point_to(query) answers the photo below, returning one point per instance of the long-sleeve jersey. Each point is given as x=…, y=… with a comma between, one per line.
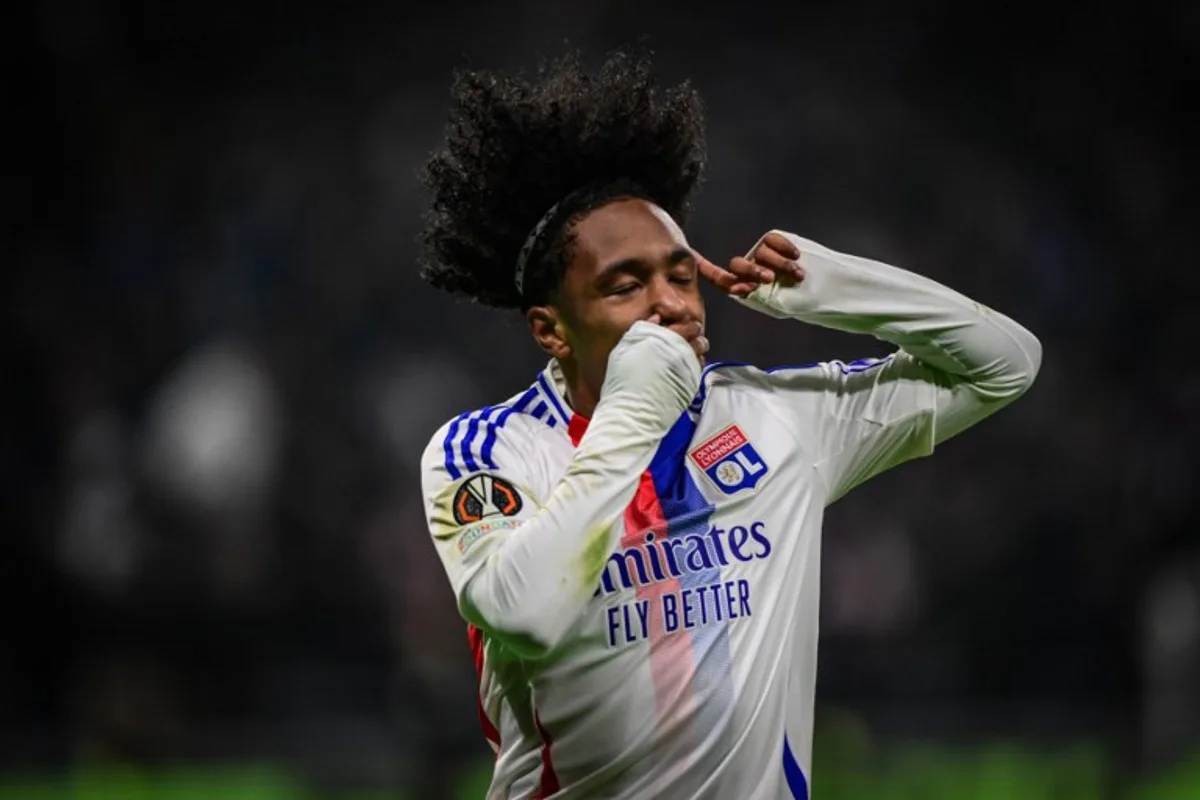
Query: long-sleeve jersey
x=643, y=611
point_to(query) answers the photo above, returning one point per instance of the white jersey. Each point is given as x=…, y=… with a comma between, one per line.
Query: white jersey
x=688, y=668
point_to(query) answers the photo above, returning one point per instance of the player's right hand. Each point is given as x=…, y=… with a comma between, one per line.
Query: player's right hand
x=655, y=366
x=692, y=332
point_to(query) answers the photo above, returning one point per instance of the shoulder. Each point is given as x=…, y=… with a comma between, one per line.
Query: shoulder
x=803, y=386
x=722, y=376
x=816, y=376
x=496, y=437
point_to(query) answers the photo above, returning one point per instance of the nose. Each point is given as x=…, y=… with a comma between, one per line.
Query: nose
x=668, y=302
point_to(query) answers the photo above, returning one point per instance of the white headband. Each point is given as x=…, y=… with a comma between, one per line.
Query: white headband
x=530, y=241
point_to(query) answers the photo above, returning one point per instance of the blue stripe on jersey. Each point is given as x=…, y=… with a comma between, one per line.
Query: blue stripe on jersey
x=524, y=400
x=796, y=781
x=483, y=418
x=864, y=364
x=698, y=400
x=546, y=390
x=468, y=459
x=539, y=410
x=782, y=368
x=687, y=513
x=448, y=445
x=859, y=365
x=489, y=439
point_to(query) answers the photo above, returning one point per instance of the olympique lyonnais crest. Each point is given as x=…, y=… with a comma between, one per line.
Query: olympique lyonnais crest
x=730, y=461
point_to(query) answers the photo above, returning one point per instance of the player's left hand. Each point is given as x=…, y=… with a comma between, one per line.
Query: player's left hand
x=774, y=259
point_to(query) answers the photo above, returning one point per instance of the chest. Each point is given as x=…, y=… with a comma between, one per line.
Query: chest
x=729, y=458
x=706, y=542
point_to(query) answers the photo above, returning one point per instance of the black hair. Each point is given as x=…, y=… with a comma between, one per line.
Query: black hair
x=515, y=148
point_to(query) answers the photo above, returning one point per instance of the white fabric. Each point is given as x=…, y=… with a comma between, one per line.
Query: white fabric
x=676, y=664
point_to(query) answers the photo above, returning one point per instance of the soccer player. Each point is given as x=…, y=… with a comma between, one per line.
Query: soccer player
x=635, y=539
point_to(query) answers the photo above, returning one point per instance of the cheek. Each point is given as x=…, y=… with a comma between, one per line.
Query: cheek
x=603, y=333
x=610, y=333
x=599, y=325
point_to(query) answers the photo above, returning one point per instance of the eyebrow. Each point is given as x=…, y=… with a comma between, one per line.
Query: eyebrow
x=679, y=254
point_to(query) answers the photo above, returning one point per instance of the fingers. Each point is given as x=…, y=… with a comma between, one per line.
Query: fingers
x=727, y=281
x=775, y=258
x=688, y=330
x=750, y=271
x=743, y=288
x=779, y=261
x=781, y=244
x=692, y=331
x=766, y=266
x=721, y=278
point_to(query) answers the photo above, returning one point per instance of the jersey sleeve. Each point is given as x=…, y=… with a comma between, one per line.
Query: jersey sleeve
x=957, y=362
x=524, y=558
x=863, y=417
x=477, y=487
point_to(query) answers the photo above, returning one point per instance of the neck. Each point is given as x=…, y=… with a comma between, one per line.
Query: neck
x=581, y=394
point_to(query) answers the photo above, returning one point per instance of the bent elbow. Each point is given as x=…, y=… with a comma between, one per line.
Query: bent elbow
x=1013, y=372
x=1026, y=369
x=528, y=638
x=531, y=630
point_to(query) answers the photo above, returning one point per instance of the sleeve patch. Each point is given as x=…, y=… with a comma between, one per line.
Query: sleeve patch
x=473, y=534
x=482, y=496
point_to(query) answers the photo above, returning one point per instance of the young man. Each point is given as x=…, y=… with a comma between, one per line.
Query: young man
x=635, y=539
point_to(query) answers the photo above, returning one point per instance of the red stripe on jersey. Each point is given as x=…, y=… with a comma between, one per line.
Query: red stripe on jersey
x=576, y=428
x=644, y=514
x=475, y=636
x=549, y=784
x=672, y=663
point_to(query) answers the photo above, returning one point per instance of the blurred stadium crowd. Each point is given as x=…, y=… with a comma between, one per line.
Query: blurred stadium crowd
x=223, y=367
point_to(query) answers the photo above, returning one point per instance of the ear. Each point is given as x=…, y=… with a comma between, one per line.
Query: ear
x=549, y=331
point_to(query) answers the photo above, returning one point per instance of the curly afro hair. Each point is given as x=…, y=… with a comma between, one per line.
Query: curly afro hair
x=515, y=148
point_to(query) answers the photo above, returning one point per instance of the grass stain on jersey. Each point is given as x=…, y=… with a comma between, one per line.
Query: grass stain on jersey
x=595, y=555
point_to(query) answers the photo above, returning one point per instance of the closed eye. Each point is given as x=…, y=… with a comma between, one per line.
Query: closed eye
x=684, y=272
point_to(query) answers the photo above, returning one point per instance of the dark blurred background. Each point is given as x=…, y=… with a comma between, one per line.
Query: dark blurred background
x=223, y=365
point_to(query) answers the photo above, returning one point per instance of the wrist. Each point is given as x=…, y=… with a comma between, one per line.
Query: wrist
x=628, y=414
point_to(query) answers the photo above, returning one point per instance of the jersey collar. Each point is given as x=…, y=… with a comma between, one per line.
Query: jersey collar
x=552, y=386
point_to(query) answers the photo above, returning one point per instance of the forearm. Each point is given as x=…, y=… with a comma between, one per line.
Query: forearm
x=940, y=327
x=537, y=580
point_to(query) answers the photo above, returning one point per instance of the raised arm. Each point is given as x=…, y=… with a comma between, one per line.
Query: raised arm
x=523, y=568
x=958, y=361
